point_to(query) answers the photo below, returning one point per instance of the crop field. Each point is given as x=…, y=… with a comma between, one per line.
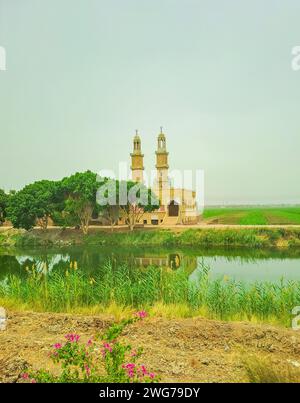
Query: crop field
x=253, y=215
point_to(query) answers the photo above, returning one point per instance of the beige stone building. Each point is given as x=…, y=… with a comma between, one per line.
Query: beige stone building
x=177, y=206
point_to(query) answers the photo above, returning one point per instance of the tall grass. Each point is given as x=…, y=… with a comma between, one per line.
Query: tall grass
x=152, y=288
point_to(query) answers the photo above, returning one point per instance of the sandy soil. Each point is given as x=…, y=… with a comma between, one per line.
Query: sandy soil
x=186, y=350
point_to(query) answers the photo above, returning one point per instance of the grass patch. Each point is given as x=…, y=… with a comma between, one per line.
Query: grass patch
x=246, y=237
x=256, y=217
x=196, y=237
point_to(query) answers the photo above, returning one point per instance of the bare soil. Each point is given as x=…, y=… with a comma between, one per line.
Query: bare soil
x=180, y=350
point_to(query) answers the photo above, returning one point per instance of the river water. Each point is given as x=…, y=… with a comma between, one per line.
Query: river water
x=239, y=264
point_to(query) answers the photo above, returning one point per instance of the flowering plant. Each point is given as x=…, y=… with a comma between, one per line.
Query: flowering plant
x=102, y=359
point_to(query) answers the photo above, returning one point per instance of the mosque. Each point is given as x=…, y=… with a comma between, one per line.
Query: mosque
x=177, y=206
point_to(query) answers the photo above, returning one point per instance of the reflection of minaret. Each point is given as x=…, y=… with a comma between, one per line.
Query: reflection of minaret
x=162, y=165
x=137, y=166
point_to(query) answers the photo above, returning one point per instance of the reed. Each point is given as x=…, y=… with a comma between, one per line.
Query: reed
x=158, y=290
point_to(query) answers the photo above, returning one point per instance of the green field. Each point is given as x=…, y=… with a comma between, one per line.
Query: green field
x=253, y=215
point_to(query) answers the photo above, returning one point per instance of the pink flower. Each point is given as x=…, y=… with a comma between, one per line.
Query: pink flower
x=72, y=337
x=57, y=346
x=25, y=375
x=90, y=342
x=33, y=381
x=152, y=375
x=87, y=370
x=144, y=370
x=130, y=366
x=141, y=314
x=108, y=347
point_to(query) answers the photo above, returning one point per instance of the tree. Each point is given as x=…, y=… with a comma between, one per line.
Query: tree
x=4, y=199
x=111, y=215
x=107, y=200
x=130, y=199
x=139, y=200
x=32, y=205
x=80, y=194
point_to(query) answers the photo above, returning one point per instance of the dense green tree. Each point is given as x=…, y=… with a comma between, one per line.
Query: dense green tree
x=4, y=199
x=108, y=200
x=75, y=200
x=34, y=204
x=132, y=200
x=140, y=199
x=80, y=198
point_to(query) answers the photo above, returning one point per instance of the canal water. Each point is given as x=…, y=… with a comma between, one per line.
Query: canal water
x=239, y=264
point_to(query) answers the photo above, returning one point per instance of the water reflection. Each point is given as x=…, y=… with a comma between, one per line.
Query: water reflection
x=245, y=265
x=172, y=261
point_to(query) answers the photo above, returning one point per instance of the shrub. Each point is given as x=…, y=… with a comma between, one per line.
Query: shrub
x=102, y=359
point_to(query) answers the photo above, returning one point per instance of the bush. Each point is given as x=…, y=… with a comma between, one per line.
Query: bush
x=102, y=359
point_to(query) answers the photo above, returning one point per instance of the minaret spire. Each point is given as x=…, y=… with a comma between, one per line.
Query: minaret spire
x=137, y=163
x=162, y=166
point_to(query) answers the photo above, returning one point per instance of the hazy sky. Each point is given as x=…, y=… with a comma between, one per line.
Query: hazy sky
x=82, y=75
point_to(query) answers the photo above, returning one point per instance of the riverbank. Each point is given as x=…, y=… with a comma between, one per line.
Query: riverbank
x=225, y=236
x=178, y=350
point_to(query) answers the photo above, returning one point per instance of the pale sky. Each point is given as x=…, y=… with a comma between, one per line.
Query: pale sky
x=82, y=75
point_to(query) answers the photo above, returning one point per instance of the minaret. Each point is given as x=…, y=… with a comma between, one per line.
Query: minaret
x=137, y=166
x=162, y=166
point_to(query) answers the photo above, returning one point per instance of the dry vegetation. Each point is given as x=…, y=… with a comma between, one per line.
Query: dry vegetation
x=179, y=350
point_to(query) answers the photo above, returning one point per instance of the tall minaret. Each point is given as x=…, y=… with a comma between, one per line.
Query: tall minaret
x=137, y=166
x=162, y=166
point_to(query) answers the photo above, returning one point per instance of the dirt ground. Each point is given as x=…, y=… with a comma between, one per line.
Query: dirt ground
x=179, y=350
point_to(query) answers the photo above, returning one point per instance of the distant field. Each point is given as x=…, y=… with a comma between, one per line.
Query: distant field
x=252, y=215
